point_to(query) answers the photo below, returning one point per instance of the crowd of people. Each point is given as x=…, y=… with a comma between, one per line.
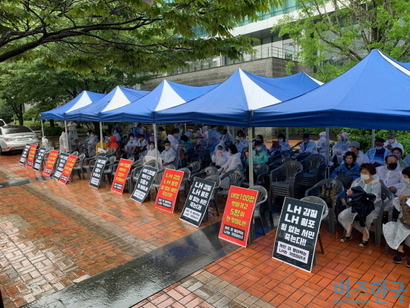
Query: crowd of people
x=361, y=173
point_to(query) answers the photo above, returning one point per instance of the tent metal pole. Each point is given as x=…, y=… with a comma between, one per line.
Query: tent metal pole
x=101, y=136
x=373, y=137
x=287, y=134
x=67, y=137
x=154, y=125
x=250, y=158
x=42, y=128
x=327, y=150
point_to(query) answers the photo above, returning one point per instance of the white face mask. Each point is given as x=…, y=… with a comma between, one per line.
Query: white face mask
x=390, y=141
x=364, y=177
x=167, y=147
x=407, y=182
x=151, y=147
x=258, y=148
x=280, y=140
x=131, y=138
x=378, y=148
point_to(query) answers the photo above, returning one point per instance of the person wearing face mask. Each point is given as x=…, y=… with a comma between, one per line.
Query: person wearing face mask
x=378, y=153
x=348, y=170
x=259, y=155
x=361, y=158
x=117, y=135
x=173, y=139
x=152, y=153
x=234, y=161
x=169, y=155
x=284, y=146
x=262, y=142
x=307, y=145
x=397, y=233
x=390, y=174
x=340, y=148
x=392, y=143
x=226, y=137
x=369, y=182
x=399, y=154
x=130, y=146
x=92, y=142
x=321, y=143
x=241, y=142
x=213, y=138
x=219, y=157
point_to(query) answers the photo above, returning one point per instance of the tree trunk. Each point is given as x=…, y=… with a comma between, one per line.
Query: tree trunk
x=52, y=124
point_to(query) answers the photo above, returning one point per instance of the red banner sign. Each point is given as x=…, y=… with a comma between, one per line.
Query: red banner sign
x=51, y=160
x=237, y=217
x=68, y=168
x=168, y=190
x=31, y=155
x=121, y=174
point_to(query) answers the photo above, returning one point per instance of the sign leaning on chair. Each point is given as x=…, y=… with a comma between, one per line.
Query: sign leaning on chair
x=168, y=190
x=297, y=233
x=98, y=171
x=144, y=182
x=24, y=154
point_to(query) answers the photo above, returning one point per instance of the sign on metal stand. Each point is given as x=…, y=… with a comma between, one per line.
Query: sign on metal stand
x=68, y=168
x=24, y=154
x=51, y=160
x=60, y=165
x=31, y=155
x=38, y=163
x=121, y=174
x=98, y=171
x=144, y=182
x=297, y=233
x=168, y=190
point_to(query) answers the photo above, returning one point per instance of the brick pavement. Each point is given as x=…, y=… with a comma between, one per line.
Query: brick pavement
x=55, y=235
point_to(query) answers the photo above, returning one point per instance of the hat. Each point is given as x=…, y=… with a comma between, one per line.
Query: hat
x=322, y=134
x=344, y=135
x=305, y=135
x=355, y=144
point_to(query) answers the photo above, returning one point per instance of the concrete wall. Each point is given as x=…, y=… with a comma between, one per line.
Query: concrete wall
x=269, y=67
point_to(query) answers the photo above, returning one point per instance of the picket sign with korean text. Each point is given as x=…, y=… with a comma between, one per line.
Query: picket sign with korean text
x=168, y=190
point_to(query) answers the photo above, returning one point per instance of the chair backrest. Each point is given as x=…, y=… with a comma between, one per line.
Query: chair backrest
x=187, y=173
x=75, y=153
x=214, y=178
x=170, y=166
x=236, y=177
x=386, y=195
x=211, y=170
x=111, y=160
x=194, y=166
x=263, y=193
x=317, y=200
x=81, y=157
x=260, y=168
x=326, y=187
x=110, y=151
x=313, y=161
x=291, y=169
x=151, y=163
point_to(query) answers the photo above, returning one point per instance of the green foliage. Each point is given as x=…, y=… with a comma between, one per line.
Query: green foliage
x=6, y=112
x=53, y=131
x=32, y=113
x=333, y=35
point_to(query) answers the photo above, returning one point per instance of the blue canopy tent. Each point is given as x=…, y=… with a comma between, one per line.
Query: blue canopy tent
x=85, y=98
x=233, y=101
x=375, y=93
x=167, y=94
x=118, y=97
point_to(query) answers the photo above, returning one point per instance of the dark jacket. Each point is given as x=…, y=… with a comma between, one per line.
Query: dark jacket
x=361, y=202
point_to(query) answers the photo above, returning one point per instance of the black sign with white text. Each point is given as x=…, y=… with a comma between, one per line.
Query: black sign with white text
x=38, y=163
x=144, y=182
x=297, y=233
x=24, y=154
x=98, y=171
x=197, y=201
x=60, y=165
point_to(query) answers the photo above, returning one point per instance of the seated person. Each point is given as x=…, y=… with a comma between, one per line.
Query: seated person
x=378, y=153
x=399, y=154
x=131, y=145
x=260, y=139
x=152, y=152
x=91, y=143
x=361, y=158
x=275, y=149
x=200, y=142
x=392, y=143
x=284, y=146
x=307, y=145
x=234, y=161
x=141, y=144
x=173, y=139
x=113, y=143
x=101, y=147
x=186, y=145
x=395, y=232
x=321, y=143
x=348, y=170
x=226, y=137
x=390, y=174
x=168, y=155
x=340, y=148
x=259, y=155
x=219, y=157
x=241, y=143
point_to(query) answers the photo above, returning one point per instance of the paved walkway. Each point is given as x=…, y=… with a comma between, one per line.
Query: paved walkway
x=55, y=238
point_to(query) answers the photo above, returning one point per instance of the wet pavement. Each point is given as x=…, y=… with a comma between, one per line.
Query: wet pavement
x=75, y=246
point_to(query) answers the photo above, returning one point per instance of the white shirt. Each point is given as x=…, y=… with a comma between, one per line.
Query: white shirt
x=220, y=157
x=321, y=145
x=142, y=143
x=168, y=156
x=395, y=144
x=234, y=163
x=391, y=178
x=309, y=147
x=361, y=158
x=174, y=142
x=341, y=146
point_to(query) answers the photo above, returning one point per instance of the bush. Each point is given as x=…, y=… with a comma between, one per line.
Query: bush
x=53, y=131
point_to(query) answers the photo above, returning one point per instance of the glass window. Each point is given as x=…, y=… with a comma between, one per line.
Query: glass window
x=16, y=129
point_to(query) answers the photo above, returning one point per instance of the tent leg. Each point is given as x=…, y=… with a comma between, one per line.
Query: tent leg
x=67, y=137
x=250, y=158
x=154, y=125
x=327, y=175
x=373, y=137
x=287, y=134
x=42, y=128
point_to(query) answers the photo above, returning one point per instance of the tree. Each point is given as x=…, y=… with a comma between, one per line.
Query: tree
x=121, y=33
x=334, y=35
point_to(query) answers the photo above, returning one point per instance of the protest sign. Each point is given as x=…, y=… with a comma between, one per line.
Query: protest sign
x=237, y=217
x=31, y=155
x=197, y=201
x=98, y=171
x=60, y=165
x=297, y=233
x=51, y=160
x=168, y=190
x=68, y=168
x=24, y=154
x=39, y=159
x=144, y=182
x=121, y=174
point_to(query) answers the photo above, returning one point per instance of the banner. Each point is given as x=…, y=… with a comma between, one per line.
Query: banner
x=297, y=233
x=39, y=159
x=24, y=154
x=121, y=174
x=68, y=168
x=144, y=182
x=168, y=190
x=237, y=217
x=51, y=160
x=98, y=171
x=31, y=155
x=60, y=165
x=197, y=201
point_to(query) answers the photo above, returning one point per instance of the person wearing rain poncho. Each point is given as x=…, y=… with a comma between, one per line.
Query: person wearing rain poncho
x=340, y=148
x=366, y=212
x=321, y=144
x=397, y=232
x=64, y=143
x=233, y=163
x=219, y=157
